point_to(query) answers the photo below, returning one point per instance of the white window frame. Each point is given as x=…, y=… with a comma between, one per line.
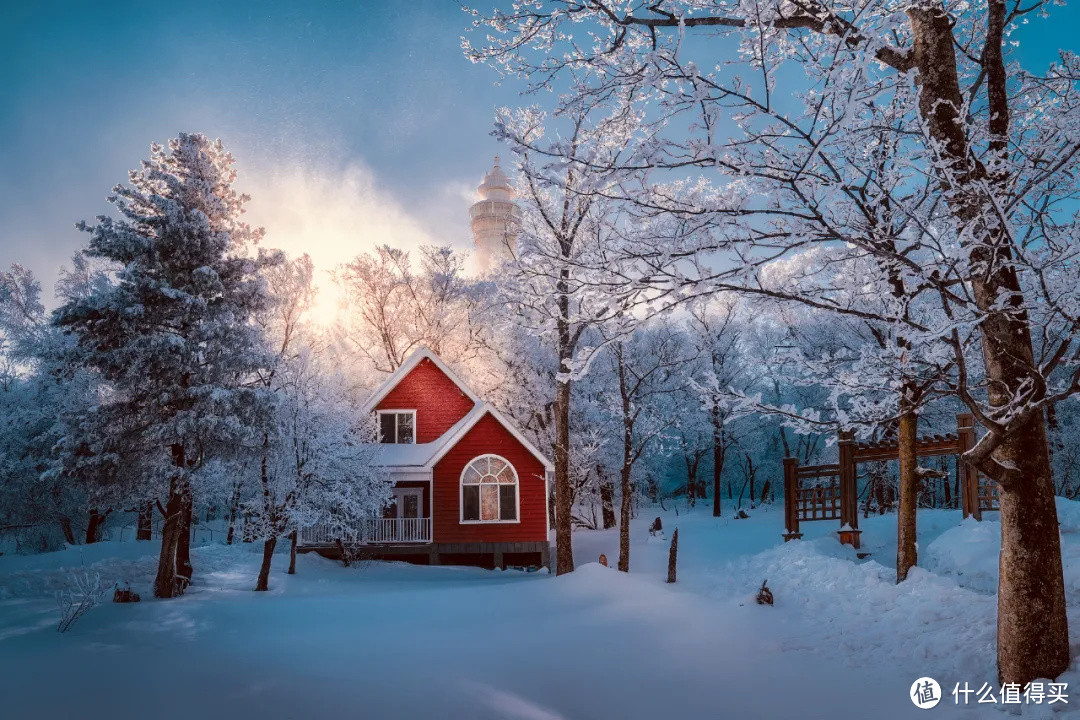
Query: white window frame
x=380, y=413
x=517, y=494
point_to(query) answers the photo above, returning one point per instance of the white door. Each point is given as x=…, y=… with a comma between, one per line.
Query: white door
x=408, y=509
x=408, y=503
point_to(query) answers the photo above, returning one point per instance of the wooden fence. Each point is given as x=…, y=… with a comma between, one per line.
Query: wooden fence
x=830, y=492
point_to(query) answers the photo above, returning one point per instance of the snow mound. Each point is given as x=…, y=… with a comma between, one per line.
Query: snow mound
x=857, y=610
x=969, y=552
x=41, y=576
x=1068, y=512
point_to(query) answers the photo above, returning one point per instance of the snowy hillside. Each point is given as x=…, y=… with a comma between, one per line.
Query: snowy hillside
x=392, y=640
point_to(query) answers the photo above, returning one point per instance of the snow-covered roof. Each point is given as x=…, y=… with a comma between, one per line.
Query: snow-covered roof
x=426, y=455
x=421, y=353
x=421, y=454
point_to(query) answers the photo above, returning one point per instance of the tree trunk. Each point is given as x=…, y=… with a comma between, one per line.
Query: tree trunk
x=292, y=553
x=94, y=525
x=1032, y=626
x=691, y=483
x=184, y=570
x=65, y=527
x=906, y=554
x=264, y=570
x=145, y=521
x=1033, y=637
x=946, y=490
x=607, y=504
x=672, y=557
x=234, y=506
x=717, y=458
x=624, y=472
x=624, y=518
x=165, y=585
x=564, y=501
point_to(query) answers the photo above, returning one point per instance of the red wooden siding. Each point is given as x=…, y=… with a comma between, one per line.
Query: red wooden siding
x=438, y=402
x=488, y=436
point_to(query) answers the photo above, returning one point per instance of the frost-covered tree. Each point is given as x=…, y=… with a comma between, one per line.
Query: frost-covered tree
x=37, y=392
x=716, y=330
x=171, y=335
x=563, y=283
x=317, y=466
x=987, y=247
x=646, y=373
x=314, y=460
x=396, y=302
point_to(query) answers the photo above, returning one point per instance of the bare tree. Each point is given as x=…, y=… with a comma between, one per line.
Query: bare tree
x=560, y=284
x=395, y=303
x=648, y=370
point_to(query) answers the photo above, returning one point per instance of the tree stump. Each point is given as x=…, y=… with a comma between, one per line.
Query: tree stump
x=124, y=594
x=292, y=553
x=764, y=596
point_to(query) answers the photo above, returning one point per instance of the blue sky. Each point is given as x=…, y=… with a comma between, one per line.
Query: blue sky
x=323, y=104
x=352, y=122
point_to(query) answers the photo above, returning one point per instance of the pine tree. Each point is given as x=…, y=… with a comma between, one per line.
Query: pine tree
x=171, y=335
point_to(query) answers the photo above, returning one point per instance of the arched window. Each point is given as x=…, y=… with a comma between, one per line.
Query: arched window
x=489, y=491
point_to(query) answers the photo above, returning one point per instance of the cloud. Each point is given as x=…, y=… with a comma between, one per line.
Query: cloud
x=331, y=214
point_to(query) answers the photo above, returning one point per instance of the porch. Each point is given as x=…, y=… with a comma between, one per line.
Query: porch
x=373, y=531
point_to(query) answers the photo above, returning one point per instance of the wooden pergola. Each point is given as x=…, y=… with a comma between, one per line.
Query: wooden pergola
x=829, y=492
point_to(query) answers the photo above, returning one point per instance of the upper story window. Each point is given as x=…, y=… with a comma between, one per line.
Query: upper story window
x=397, y=427
x=489, y=491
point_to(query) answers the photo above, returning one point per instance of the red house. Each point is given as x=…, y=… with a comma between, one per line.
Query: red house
x=469, y=488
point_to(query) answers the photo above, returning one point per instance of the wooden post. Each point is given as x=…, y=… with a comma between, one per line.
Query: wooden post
x=969, y=476
x=672, y=556
x=849, y=495
x=791, y=499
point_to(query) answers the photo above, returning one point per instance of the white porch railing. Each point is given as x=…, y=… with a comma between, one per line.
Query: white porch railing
x=372, y=531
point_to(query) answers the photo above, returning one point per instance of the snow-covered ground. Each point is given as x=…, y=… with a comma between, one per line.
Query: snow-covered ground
x=392, y=640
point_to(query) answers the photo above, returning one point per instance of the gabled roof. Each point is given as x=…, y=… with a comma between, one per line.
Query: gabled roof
x=420, y=354
x=426, y=455
x=454, y=434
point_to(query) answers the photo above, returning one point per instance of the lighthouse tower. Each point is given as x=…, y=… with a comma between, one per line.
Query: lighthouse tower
x=494, y=219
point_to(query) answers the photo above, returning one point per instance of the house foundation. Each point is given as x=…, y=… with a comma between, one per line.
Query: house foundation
x=480, y=554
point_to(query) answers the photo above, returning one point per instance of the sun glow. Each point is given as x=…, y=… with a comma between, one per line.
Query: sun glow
x=332, y=216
